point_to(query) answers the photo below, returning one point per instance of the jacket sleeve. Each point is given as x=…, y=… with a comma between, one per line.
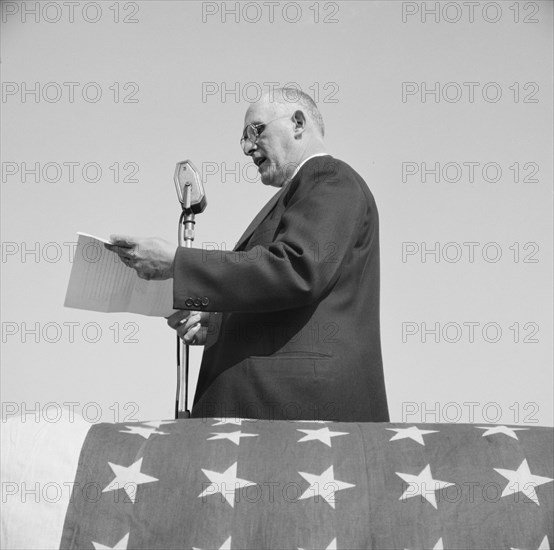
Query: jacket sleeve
x=316, y=235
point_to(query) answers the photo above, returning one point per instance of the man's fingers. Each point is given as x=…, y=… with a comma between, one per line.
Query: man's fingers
x=122, y=251
x=123, y=241
x=188, y=334
x=125, y=253
x=178, y=318
x=204, y=317
x=175, y=318
x=190, y=321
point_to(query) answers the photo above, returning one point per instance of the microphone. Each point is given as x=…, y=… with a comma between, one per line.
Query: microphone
x=187, y=178
x=192, y=197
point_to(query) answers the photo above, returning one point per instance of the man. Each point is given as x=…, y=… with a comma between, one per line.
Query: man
x=297, y=334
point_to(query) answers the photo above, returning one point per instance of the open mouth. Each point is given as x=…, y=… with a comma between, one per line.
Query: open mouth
x=259, y=161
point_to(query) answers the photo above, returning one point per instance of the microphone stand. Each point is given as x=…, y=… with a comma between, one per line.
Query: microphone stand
x=186, y=236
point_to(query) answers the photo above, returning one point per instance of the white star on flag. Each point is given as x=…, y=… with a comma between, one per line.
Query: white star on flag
x=225, y=546
x=145, y=432
x=423, y=484
x=543, y=546
x=121, y=545
x=413, y=432
x=231, y=436
x=229, y=420
x=323, y=434
x=225, y=483
x=128, y=478
x=491, y=430
x=328, y=484
x=158, y=423
x=332, y=545
x=522, y=481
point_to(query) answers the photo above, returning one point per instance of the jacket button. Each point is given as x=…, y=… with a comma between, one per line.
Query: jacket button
x=197, y=302
x=189, y=302
x=205, y=301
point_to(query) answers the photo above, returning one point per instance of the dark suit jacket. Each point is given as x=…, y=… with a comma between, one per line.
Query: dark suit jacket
x=297, y=336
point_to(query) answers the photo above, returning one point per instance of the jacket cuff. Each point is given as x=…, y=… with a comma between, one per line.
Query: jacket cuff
x=184, y=295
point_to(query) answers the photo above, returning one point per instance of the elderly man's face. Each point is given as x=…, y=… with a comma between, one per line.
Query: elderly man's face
x=273, y=151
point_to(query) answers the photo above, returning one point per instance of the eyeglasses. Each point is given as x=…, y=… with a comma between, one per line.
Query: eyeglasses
x=253, y=131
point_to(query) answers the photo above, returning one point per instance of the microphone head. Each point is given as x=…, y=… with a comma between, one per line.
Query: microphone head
x=186, y=173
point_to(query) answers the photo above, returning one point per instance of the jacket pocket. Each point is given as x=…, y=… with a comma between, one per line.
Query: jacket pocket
x=293, y=355
x=283, y=368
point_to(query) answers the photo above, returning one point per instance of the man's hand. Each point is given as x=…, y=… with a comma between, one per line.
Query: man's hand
x=191, y=326
x=150, y=258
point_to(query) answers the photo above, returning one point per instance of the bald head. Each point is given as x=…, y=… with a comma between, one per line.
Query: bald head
x=290, y=130
x=295, y=99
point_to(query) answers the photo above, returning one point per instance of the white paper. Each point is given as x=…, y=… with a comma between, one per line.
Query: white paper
x=100, y=281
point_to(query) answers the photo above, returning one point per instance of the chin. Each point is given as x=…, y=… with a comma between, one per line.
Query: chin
x=272, y=178
x=267, y=177
x=268, y=182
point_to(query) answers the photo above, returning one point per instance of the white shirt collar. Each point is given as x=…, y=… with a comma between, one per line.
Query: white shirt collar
x=302, y=164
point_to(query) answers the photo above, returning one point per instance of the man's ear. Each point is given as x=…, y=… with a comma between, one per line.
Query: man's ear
x=299, y=123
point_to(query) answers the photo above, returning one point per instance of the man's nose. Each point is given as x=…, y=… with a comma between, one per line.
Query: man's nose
x=248, y=147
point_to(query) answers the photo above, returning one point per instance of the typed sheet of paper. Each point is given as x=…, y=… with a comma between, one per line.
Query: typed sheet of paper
x=100, y=281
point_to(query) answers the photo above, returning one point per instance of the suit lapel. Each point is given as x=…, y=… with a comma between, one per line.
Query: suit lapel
x=262, y=214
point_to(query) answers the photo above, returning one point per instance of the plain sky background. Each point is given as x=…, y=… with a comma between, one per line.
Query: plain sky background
x=175, y=84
